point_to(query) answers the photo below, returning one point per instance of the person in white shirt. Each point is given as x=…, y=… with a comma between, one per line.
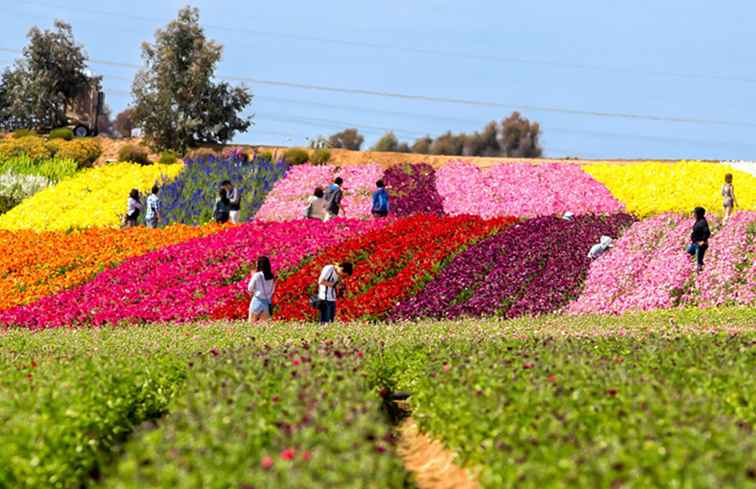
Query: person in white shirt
x=133, y=208
x=330, y=277
x=262, y=286
x=600, y=248
x=316, y=206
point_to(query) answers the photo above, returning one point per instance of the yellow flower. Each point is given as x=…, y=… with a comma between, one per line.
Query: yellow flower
x=95, y=197
x=653, y=188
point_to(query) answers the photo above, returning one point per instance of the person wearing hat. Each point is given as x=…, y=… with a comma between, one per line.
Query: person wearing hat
x=602, y=247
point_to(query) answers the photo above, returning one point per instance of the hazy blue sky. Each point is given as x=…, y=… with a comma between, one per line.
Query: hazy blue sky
x=689, y=59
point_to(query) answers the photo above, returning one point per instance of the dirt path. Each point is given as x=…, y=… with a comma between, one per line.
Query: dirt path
x=432, y=464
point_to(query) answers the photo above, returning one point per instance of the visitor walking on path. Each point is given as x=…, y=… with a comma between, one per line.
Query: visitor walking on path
x=728, y=198
x=699, y=237
x=316, y=205
x=332, y=196
x=222, y=210
x=152, y=216
x=133, y=208
x=234, y=197
x=380, y=200
x=262, y=286
x=328, y=284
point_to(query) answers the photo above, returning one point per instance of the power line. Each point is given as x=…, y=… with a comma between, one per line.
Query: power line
x=424, y=51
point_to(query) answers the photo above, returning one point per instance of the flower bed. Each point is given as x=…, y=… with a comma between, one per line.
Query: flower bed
x=95, y=197
x=190, y=198
x=390, y=264
x=655, y=188
x=531, y=268
x=412, y=189
x=185, y=281
x=15, y=188
x=34, y=265
x=288, y=198
x=521, y=189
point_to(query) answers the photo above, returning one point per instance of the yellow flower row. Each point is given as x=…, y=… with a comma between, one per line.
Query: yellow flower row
x=95, y=197
x=653, y=188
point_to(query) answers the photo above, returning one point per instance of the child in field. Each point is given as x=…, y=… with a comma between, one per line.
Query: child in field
x=380, y=200
x=262, y=286
x=728, y=198
x=133, y=208
x=699, y=237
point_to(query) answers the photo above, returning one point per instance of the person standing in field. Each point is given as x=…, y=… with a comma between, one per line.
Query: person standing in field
x=133, y=208
x=262, y=286
x=728, y=198
x=221, y=211
x=316, y=205
x=699, y=237
x=380, y=200
x=332, y=196
x=328, y=282
x=234, y=198
x=152, y=217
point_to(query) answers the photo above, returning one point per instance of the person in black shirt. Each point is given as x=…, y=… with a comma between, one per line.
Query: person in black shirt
x=699, y=238
x=222, y=210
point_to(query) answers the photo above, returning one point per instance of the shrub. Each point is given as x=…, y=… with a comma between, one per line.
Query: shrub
x=201, y=154
x=133, y=153
x=61, y=133
x=320, y=156
x=84, y=151
x=168, y=157
x=296, y=156
x=31, y=146
x=54, y=169
x=265, y=156
x=22, y=133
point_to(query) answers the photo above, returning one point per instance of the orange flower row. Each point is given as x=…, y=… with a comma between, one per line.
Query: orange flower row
x=36, y=264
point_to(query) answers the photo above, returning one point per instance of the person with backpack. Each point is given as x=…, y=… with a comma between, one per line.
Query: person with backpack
x=380, y=200
x=222, y=210
x=699, y=237
x=152, y=217
x=234, y=198
x=261, y=286
x=332, y=197
x=133, y=208
x=328, y=283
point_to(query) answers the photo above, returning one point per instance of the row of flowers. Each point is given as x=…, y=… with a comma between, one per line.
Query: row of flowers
x=534, y=267
x=94, y=197
x=185, y=281
x=649, y=269
x=37, y=264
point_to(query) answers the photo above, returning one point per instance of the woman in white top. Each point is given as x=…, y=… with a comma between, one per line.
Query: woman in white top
x=316, y=205
x=261, y=287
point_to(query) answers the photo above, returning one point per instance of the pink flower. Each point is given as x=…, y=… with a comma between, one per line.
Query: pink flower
x=266, y=463
x=288, y=454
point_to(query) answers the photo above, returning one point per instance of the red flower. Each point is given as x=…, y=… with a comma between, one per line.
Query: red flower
x=296, y=362
x=266, y=463
x=528, y=366
x=306, y=455
x=288, y=454
x=612, y=392
x=552, y=378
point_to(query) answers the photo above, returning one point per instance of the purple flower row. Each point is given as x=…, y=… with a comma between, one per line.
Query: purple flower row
x=412, y=188
x=534, y=267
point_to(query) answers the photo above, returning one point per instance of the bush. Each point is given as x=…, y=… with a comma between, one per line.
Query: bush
x=61, y=133
x=296, y=156
x=133, y=153
x=265, y=156
x=168, y=157
x=32, y=146
x=320, y=156
x=201, y=154
x=22, y=133
x=84, y=151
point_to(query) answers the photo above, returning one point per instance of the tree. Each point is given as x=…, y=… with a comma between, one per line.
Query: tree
x=388, y=143
x=347, y=139
x=422, y=145
x=519, y=137
x=51, y=72
x=178, y=104
x=124, y=123
x=448, y=144
x=104, y=122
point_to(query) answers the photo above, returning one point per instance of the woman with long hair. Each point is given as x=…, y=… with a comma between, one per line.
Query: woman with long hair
x=262, y=286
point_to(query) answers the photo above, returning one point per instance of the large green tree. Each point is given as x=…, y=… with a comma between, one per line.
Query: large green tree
x=178, y=104
x=51, y=72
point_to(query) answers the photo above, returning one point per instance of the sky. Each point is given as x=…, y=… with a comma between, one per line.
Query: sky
x=672, y=79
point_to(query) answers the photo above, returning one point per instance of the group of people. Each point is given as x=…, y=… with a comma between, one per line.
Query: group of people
x=325, y=204
x=228, y=204
x=330, y=286
x=134, y=208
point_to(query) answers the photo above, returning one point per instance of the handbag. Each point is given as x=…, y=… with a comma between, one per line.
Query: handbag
x=315, y=301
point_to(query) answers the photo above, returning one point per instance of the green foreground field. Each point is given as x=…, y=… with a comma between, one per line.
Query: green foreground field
x=655, y=400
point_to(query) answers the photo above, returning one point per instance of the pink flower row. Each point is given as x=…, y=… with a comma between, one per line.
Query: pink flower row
x=649, y=268
x=186, y=281
x=288, y=198
x=522, y=189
